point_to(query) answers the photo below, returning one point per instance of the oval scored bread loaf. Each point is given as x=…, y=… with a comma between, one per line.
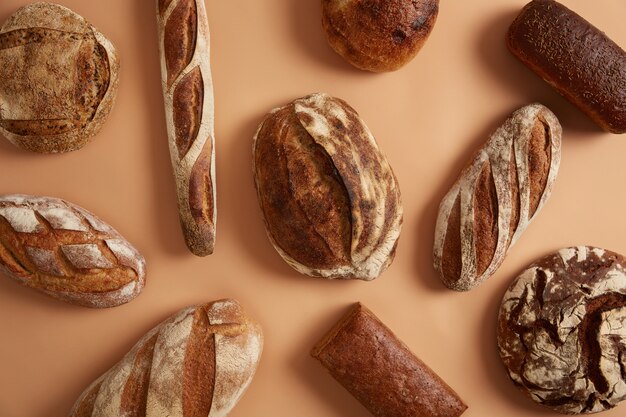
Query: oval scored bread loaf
x=66, y=252
x=496, y=196
x=580, y=61
x=58, y=79
x=199, y=363
x=189, y=108
x=329, y=198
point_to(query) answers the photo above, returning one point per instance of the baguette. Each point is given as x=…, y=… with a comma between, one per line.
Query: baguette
x=188, y=95
x=582, y=63
x=199, y=362
x=66, y=252
x=496, y=197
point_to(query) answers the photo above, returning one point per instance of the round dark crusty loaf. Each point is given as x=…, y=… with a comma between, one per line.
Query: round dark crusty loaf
x=330, y=200
x=562, y=330
x=58, y=79
x=378, y=35
x=582, y=63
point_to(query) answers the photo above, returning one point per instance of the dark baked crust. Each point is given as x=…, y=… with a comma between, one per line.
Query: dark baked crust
x=574, y=57
x=381, y=372
x=378, y=35
x=496, y=196
x=329, y=197
x=560, y=330
x=63, y=79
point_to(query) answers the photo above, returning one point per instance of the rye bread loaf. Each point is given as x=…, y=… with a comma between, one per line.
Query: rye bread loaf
x=364, y=356
x=64, y=251
x=582, y=63
x=58, y=79
x=562, y=330
x=378, y=35
x=329, y=198
x=198, y=362
x=189, y=107
x=496, y=196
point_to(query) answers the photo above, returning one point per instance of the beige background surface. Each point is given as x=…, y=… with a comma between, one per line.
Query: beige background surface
x=428, y=118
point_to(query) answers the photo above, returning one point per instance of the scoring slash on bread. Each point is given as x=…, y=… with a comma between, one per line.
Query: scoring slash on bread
x=64, y=251
x=189, y=107
x=58, y=79
x=496, y=196
x=329, y=198
x=561, y=330
x=364, y=356
x=582, y=63
x=199, y=363
x=378, y=35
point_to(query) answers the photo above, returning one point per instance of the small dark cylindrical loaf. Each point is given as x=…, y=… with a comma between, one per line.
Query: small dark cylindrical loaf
x=189, y=108
x=378, y=35
x=575, y=58
x=66, y=252
x=58, y=79
x=561, y=330
x=199, y=363
x=330, y=200
x=496, y=197
x=381, y=372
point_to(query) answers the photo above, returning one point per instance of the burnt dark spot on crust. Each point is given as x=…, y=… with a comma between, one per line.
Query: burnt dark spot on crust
x=399, y=36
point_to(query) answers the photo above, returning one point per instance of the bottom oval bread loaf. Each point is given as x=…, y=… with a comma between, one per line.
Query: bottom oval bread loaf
x=197, y=363
x=381, y=372
x=562, y=330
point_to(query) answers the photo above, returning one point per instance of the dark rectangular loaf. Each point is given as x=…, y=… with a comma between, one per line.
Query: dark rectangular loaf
x=381, y=372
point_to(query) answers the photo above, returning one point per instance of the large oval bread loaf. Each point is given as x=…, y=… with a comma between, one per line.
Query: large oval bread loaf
x=330, y=200
x=66, y=252
x=58, y=79
x=189, y=107
x=496, y=196
x=198, y=363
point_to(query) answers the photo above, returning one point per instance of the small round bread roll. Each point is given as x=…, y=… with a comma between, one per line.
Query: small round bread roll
x=58, y=79
x=378, y=35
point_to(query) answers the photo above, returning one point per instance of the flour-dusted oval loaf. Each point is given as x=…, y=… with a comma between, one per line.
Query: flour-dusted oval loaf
x=330, y=200
x=378, y=35
x=66, y=252
x=562, y=330
x=199, y=362
x=582, y=63
x=496, y=196
x=58, y=79
x=188, y=93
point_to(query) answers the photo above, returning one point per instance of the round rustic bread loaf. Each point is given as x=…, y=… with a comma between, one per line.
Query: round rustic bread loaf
x=378, y=35
x=58, y=79
x=562, y=330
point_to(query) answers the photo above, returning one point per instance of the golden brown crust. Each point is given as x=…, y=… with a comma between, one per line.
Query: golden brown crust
x=66, y=252
x=378, y=35
x=198, y=363
x=496, y=196
x=188, y=93
x=574, y=57
x=364, y=356
x=63, y=79
x=329, y=198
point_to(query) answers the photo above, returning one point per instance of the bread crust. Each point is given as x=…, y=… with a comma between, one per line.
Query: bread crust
x=58, y=79
x=364, y=356
x=378, y=35
x=199, y=362
x=578, y=60
x=66, y=252
x=496, y=197
x=189, y=108
x=560, y=330
x=328, y=195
